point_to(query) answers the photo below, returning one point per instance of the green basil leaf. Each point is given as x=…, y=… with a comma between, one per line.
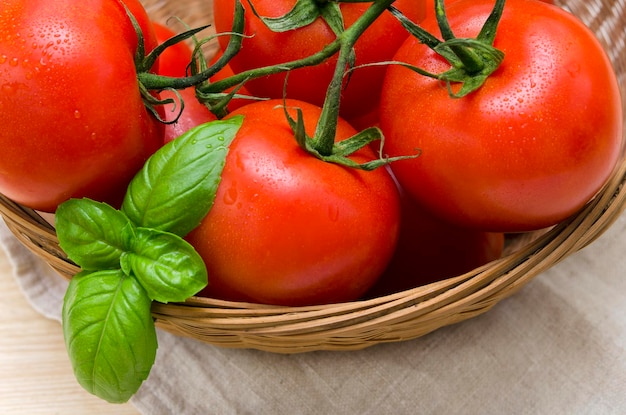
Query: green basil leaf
x=92, y=234
x=176, y=187
x=109, y=333
x=166, y=265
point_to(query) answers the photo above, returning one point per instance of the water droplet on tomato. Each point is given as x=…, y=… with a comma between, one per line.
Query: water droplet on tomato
x=239, y=163
x=8, y=89
x=333, y=213
x=230, y=197
x=14, y=62
x=3, y=58
x=77, y=114
x=573, y=70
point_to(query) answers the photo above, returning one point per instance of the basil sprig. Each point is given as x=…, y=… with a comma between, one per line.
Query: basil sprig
x=136, y=255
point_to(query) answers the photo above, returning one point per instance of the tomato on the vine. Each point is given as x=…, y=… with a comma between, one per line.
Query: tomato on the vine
x=431, y=249
x=74, y=122
x=527, y=149
x=265, y=47
x=287, y=228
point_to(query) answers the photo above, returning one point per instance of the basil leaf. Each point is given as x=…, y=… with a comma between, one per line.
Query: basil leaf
x=92, y=234
x=176, y=187
x=166, y=265
x=109, y=333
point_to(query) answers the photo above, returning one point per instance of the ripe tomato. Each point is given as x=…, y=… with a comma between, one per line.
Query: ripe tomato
x=174, y=60
x=430, y=249
x=194, y=113
x=430, y=5
x=361, y=95
x=74, y=123
x=289, y=229
x=527, y=149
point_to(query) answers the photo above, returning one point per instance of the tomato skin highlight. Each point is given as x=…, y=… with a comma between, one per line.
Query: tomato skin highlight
x=74, y=121
x=361, y=95
x=531, y=146
x=289, y=229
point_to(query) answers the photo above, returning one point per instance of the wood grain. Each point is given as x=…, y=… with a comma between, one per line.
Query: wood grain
x=36, y=375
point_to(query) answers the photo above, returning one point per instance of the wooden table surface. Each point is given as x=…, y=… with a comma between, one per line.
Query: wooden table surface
x=36, y=375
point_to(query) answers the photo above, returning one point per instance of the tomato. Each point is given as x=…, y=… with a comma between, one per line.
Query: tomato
x=174, y=60
x=289, y=229
x=430, y=5
x=361, y=94
x=430, y=249
x=527, y=149
x=194, y=113
x=74, y=123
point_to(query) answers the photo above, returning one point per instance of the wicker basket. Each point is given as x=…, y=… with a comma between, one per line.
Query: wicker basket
x=395, y=317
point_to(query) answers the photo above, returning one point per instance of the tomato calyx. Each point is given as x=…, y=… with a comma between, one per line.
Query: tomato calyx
x=303, y=13
x=323, y=145
x=341, y=151
x=472, y=60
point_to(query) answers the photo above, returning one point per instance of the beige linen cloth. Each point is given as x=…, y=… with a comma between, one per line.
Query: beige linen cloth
x=556, y=347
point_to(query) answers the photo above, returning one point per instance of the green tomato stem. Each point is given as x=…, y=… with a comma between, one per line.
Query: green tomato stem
x=324, y=139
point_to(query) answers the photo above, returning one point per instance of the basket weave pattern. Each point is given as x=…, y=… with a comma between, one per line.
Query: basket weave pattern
x=395, y=317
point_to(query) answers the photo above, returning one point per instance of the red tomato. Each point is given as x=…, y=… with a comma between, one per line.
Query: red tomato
x=194, y=113
x=430, y=5
x=526, y=150
x=377, y=44
x=430, y=249
x=174, y=60
x=289, y=229
x=74, y=123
